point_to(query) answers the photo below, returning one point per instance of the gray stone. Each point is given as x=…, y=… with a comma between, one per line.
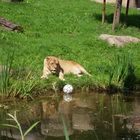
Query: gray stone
x=118, y=41
x=132, y=3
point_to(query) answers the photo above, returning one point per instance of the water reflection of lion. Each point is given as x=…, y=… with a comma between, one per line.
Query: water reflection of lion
x=60, y=67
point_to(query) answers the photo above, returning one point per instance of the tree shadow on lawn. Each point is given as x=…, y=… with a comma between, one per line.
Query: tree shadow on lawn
x=130, y=20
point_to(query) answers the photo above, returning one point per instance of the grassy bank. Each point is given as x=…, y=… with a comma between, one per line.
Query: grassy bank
x=69, y=30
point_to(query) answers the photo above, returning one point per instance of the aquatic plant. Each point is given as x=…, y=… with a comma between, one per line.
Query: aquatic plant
x=23, y=86
x=18, y=125
x=5, y=73
x=65, y=128
x=17, y=82
x=130, y=79
x=121, y=71
x=118, y=105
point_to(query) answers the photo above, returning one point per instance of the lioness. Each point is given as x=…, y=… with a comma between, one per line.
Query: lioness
x=60, y=67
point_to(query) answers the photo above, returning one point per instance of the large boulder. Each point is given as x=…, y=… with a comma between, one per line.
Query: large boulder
x=118, y=41
x=133, y=3
x=108, y=1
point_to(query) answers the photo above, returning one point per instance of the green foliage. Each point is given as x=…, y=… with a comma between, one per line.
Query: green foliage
x=23, y=86
x=5, y=74
x=15, y=82
x=121, y=71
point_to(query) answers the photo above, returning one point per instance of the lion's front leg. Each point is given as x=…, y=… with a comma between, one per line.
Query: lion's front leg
x=61, y=76
x=45, y=74
x=46, y=71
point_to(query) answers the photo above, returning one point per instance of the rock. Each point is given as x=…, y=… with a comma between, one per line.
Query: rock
x=132, y=3
x=118, y=41
x=108, y=1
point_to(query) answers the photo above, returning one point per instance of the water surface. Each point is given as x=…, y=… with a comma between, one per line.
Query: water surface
x=89, y=116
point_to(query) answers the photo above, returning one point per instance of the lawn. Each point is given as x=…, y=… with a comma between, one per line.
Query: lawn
x=68, y=29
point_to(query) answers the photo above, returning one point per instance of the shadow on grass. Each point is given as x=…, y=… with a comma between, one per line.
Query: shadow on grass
x=121, y=74
x=130, y=20
x=130, y=79
x=137, y=85
x=129, y=82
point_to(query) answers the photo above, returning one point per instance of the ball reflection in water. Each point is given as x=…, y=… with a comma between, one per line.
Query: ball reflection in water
x=67, y=89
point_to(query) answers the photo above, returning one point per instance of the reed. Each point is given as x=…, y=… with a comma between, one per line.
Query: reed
x=15, y=82
x=65, y=128
x=18, y=126
x=118, y=108
x=121, y=71
x=22, y=86
x=6, y=69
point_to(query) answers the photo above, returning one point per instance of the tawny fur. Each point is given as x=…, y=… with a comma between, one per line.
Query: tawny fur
x=61, y=67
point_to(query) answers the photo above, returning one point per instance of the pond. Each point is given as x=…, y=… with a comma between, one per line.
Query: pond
x=89, y=116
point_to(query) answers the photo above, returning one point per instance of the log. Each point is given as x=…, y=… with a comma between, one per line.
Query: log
x=10, y=26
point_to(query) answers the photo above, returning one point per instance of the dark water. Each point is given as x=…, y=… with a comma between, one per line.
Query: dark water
x=89, y=116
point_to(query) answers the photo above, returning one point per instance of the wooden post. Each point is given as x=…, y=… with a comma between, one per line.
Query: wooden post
x=127, y=7
x=103, y=11
x=117, y=13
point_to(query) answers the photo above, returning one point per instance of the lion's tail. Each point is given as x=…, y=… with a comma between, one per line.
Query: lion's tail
x=85, y=72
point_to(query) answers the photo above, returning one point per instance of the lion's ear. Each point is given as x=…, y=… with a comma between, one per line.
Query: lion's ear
x=48, y=57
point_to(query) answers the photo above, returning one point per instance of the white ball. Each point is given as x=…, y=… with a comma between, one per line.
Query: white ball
x=68, y=88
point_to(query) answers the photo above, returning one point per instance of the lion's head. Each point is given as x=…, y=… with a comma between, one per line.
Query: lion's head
x=53, y=64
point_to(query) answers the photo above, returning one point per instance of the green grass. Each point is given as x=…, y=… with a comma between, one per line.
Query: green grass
x=69, y=30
